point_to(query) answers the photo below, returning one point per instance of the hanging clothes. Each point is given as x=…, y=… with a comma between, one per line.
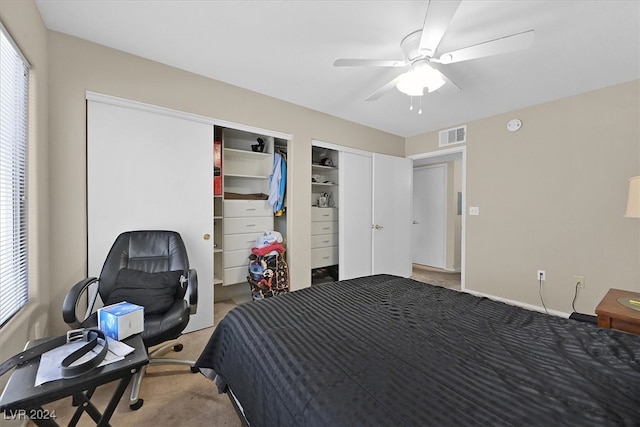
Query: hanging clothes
x=280, y=205
x=278, y=184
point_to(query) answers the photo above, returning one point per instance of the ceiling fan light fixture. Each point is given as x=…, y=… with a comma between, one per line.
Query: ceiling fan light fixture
x=414, y=81
x=410, y=85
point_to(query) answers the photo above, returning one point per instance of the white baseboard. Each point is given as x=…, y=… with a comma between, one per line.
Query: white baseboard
x=519, y=304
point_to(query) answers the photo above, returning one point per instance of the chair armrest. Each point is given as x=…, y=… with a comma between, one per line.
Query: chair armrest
x=192, y=291
x=71, y=301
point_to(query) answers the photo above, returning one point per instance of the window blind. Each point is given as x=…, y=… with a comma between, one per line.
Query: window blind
x=14, y=109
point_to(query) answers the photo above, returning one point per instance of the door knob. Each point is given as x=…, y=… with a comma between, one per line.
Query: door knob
x=206, y=236
x=379, y=227
x=415, y=222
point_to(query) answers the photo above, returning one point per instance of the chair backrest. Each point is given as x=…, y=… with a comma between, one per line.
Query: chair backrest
x=151, y=251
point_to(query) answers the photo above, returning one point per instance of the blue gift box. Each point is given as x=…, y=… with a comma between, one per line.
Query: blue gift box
x=121, y=320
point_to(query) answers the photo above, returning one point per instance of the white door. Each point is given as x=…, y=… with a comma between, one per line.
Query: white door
x=429, y=215
x=392, y=178
x=355, y=218
x=151, y=171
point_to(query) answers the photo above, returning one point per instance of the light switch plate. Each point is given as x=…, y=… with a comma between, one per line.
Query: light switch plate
x=474, y=210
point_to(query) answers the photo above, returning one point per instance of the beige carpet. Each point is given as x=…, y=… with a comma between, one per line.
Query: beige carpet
x=173, y=396
x=436, y=276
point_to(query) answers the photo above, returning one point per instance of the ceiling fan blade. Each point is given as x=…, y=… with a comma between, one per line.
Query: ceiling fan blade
x=348, y=62
x=498, y=46
x=449, y=86
x=384, y=89
x=436, y=21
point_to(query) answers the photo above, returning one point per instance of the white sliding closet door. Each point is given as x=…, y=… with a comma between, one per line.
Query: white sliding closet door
x=392, y=215
x=151, y=170
x=355, y=215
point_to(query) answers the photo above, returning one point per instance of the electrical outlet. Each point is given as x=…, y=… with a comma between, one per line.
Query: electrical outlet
x=579, y=281
x=542, y=275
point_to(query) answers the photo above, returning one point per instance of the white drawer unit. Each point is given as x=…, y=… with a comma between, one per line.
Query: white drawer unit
x=324, y=237
x=247, y=208
x=324, y=240
x=237, y=258
x=324, y=227
x=324, y=214
x=247, y=225
x=235, y=275
x=244, y=221
x=322, y=257
x=234, y=242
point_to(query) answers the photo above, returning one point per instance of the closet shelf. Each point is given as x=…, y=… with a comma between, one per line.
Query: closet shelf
x=238, y=175
x=317, y=166
x=234, y=153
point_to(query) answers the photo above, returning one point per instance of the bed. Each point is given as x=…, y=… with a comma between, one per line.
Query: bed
x=390, y=351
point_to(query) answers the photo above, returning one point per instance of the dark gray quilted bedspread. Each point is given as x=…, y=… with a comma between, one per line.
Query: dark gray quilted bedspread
x=389, y=351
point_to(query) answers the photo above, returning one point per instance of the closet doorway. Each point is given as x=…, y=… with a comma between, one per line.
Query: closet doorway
x=430, y=215
x=438, y=236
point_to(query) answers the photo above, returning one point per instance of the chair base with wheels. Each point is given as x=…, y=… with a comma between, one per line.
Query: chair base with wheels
x=155, y=358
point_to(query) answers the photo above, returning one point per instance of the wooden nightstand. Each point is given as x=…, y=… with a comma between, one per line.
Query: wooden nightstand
x=612, y=314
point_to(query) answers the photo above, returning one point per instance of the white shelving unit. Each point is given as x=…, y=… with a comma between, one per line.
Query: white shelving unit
x=238, y=221
x=217, y=239
x=324, y=214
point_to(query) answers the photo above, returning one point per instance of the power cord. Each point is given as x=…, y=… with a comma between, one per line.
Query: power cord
x=540, y=292
x=575, y=296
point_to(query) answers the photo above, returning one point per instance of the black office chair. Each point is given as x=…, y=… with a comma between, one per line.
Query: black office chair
x=143, y=259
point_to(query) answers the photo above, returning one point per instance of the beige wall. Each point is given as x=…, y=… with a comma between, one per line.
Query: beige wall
x=552, y=197
x=23, y=22
x=76, y=66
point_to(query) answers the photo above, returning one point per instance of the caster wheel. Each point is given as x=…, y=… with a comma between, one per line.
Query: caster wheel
x=178, y=347
x=194, y=370
x=137, y=405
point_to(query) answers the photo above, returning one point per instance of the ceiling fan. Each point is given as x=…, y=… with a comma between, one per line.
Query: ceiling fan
x=420, y=48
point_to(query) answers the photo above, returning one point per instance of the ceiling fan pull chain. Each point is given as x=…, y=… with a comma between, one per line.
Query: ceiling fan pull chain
x=420, y=110
x=411, y=106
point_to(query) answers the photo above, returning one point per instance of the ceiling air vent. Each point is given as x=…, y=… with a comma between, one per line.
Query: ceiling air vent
x=453, y=136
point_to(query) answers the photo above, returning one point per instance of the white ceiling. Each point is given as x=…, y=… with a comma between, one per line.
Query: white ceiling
x=286, y=49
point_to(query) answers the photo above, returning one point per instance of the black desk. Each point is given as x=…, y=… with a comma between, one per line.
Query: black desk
x=22, y=400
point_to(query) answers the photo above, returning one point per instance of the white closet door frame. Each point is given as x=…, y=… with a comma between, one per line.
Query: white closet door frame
x=148, y=170
x=443, y=154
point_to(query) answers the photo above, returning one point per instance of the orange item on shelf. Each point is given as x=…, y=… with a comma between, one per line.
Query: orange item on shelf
x=217, y=168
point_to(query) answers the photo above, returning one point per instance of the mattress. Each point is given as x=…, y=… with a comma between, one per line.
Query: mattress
x=390, y=351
